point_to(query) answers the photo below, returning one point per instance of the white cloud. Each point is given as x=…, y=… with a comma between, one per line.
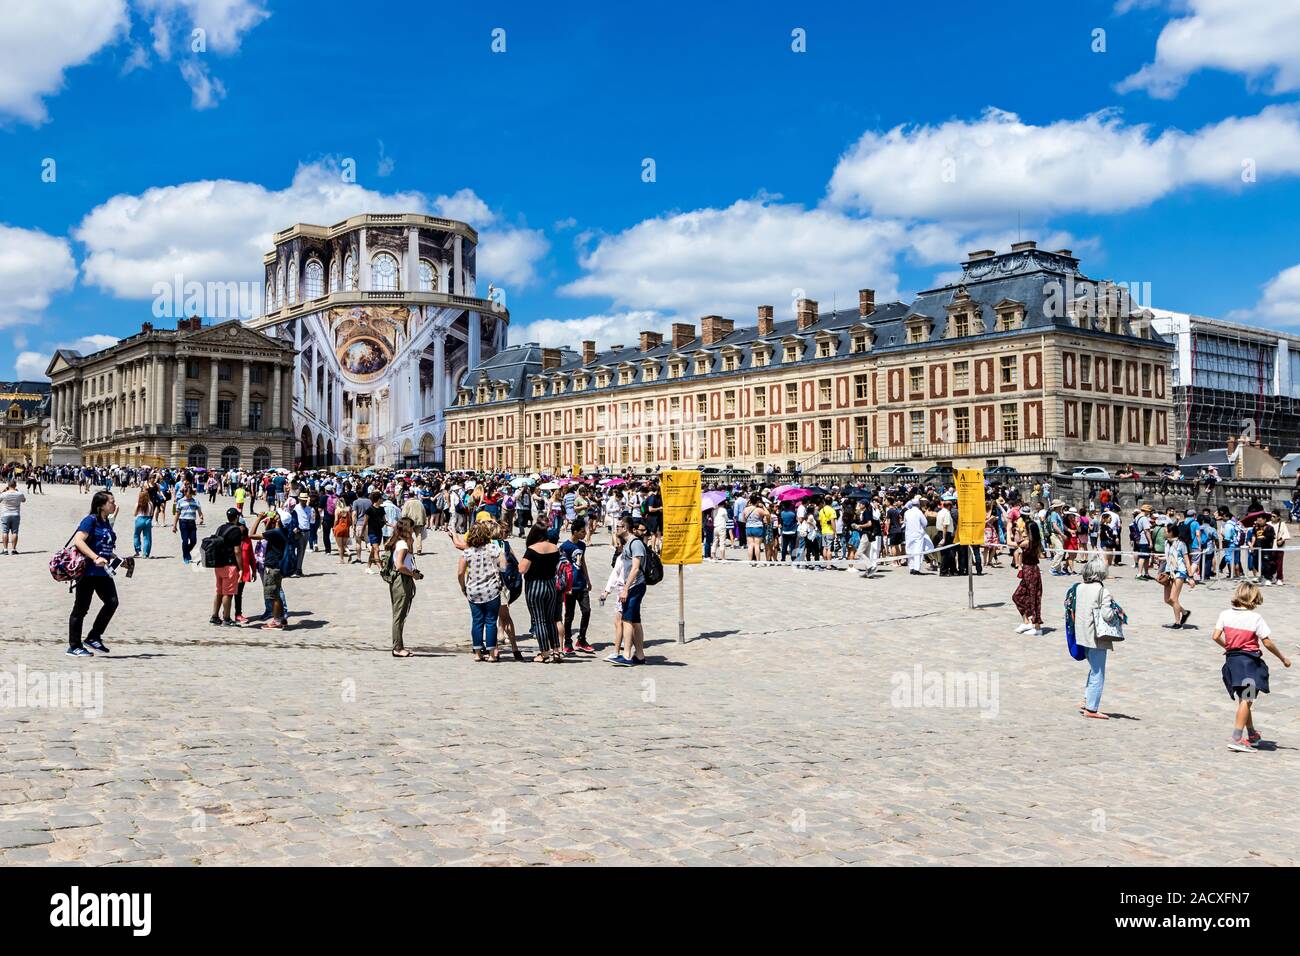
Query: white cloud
x=223, y=22
x=605, y=330
x=978, y=170
x=205, y=89
x=31, y=365
x=34, y=266
x=727, y=261
x=1279, y=305
x=386, y=164
x=464, y=205
x=41, y=39
x=1255, y=38
x=218, y=230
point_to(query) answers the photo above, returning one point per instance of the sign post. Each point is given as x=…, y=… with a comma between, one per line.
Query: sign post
x=970, y=521
x=683, y=531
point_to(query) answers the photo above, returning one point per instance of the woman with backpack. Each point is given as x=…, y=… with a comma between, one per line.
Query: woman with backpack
x=95, y=540
x=400, y=573
x=1094, y=620
x=538, y=568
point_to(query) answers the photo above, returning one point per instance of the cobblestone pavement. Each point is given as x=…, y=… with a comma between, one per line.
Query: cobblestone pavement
x=779, y=734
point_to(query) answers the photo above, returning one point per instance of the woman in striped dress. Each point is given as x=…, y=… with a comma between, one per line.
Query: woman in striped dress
x=538, y=568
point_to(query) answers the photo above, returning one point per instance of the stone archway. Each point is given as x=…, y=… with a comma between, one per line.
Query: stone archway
x=305, y=447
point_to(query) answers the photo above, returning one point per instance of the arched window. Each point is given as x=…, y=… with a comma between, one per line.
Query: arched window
x=349, y=274
x=229, y=457
x=279, y=288
x=428, y=276
x=270, y=295
x=261, y=459
x=383, y=273
x=314, y=280
x=198, y=457
x=293, y=281
x=334, y=275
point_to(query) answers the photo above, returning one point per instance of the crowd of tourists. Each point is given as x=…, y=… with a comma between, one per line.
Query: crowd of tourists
x=383, y=520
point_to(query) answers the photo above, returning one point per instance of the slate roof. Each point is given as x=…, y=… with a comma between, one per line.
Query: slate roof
x=1044, y=286
x=31, y=407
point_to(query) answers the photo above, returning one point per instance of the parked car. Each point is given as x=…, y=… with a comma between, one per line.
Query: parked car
x=1001, y=471
x=898, y=470
x=944, y=473
x=1095, y=472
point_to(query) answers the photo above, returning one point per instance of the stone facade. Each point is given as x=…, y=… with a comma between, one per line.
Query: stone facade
x=24, y=422
x=1025, y=362
x=383, y=314
x=195, y=395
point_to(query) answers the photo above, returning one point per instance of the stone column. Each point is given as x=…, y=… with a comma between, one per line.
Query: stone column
x=444, y=276
x=178, y=398
x=277, y=376
x=412, y=259
x=212, y=393
x=363, y=262
x=475, y=338
x=457, y=278
x=160, y=386
x=243, y=396
x=286, y=405
x=74, y=412
x=439, y=371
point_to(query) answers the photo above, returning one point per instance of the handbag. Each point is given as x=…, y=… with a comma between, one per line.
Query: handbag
x=1113, y=629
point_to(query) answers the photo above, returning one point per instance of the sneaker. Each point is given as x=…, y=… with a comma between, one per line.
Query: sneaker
x=1034, y=632
x=1023, y=628
x=1254, y=737
x=272, y=626
x=241, y=619
x=97, y=645
x=1183, y=620
x=78, y=652
x=215, y=620
x=621, y=661
x=1241, y=746
x=612, y=658
x=568, y=650
x=586, y=648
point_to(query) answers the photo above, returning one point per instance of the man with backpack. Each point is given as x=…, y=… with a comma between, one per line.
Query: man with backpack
x=222, y=553
x=637, y=573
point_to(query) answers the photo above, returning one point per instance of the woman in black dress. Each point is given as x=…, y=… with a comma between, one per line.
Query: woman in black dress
x=538, y=568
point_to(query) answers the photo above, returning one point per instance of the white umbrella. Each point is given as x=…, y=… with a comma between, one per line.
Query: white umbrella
x=521, y=481
x=548, y=486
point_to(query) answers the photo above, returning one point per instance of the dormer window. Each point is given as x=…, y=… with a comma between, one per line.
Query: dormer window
x=761, y=358
x=625, y=376
x=859, y=343
x=917, y=334
x=730, y=362
x=539, y=389
x=580, y=383
x=650, y=373
x=961, y=324
x=790, y=353
x=825, y=348
x=558, y=388
x=676, y=369
x=501, y=393
x=702, y=366
x=1011, y=316
x=602, y=379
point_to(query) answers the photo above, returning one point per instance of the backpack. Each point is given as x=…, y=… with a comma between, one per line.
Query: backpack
x=510, y=578
x=564, y=576
x=216, y=551
x=68, y=565
x=1075, y=651
x=387, y=570
x=652, y=568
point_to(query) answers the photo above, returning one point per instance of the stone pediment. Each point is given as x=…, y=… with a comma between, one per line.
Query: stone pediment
x=232, y=335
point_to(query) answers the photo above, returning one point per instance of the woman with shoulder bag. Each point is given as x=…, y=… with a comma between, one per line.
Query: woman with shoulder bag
x=95, y=540
x=1098, y=624
x=400, y=572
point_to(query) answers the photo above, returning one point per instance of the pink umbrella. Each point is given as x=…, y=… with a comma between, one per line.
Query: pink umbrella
x=711, y=499
x=613, y=482
x=780, y=488
x=794, y=494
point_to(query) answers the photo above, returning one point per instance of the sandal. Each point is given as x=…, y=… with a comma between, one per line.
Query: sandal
x=494, y=657
x=1096, y=713
x=402, y=653
x=541, y=659
x=478, y=656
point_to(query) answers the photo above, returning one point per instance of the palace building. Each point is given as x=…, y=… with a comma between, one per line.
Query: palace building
x=382, y=313
x=1023, y=361
x=211, y=396
x=24, y=422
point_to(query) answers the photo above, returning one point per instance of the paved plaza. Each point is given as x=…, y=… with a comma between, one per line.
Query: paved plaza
x=794, y=727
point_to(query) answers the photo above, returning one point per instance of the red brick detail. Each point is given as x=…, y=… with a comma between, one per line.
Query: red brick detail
x=984, y=380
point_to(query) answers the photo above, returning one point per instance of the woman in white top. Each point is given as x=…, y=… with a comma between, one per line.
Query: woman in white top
x=1090, y=600
x=401, y=585
x=721, y=516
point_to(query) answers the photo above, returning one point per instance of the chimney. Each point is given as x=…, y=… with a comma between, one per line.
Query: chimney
x=866, y=302
x=980, y=254
x=1065, y=252
x=550, y=359
x=650, y=340
x=683, y=334
x=1022, y=246
x=765, y=321
x=146, y=327
x=806, y=310
x=714, y=328
x=588, y=351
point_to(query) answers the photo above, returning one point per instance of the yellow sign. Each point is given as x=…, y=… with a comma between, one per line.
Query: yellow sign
x=970, y=506
x=683, y=520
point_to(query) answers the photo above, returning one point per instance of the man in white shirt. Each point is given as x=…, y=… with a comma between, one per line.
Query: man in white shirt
x=11, y=504
x=915, y=523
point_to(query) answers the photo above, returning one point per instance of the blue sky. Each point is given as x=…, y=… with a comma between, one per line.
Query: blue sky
x=895, y=142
